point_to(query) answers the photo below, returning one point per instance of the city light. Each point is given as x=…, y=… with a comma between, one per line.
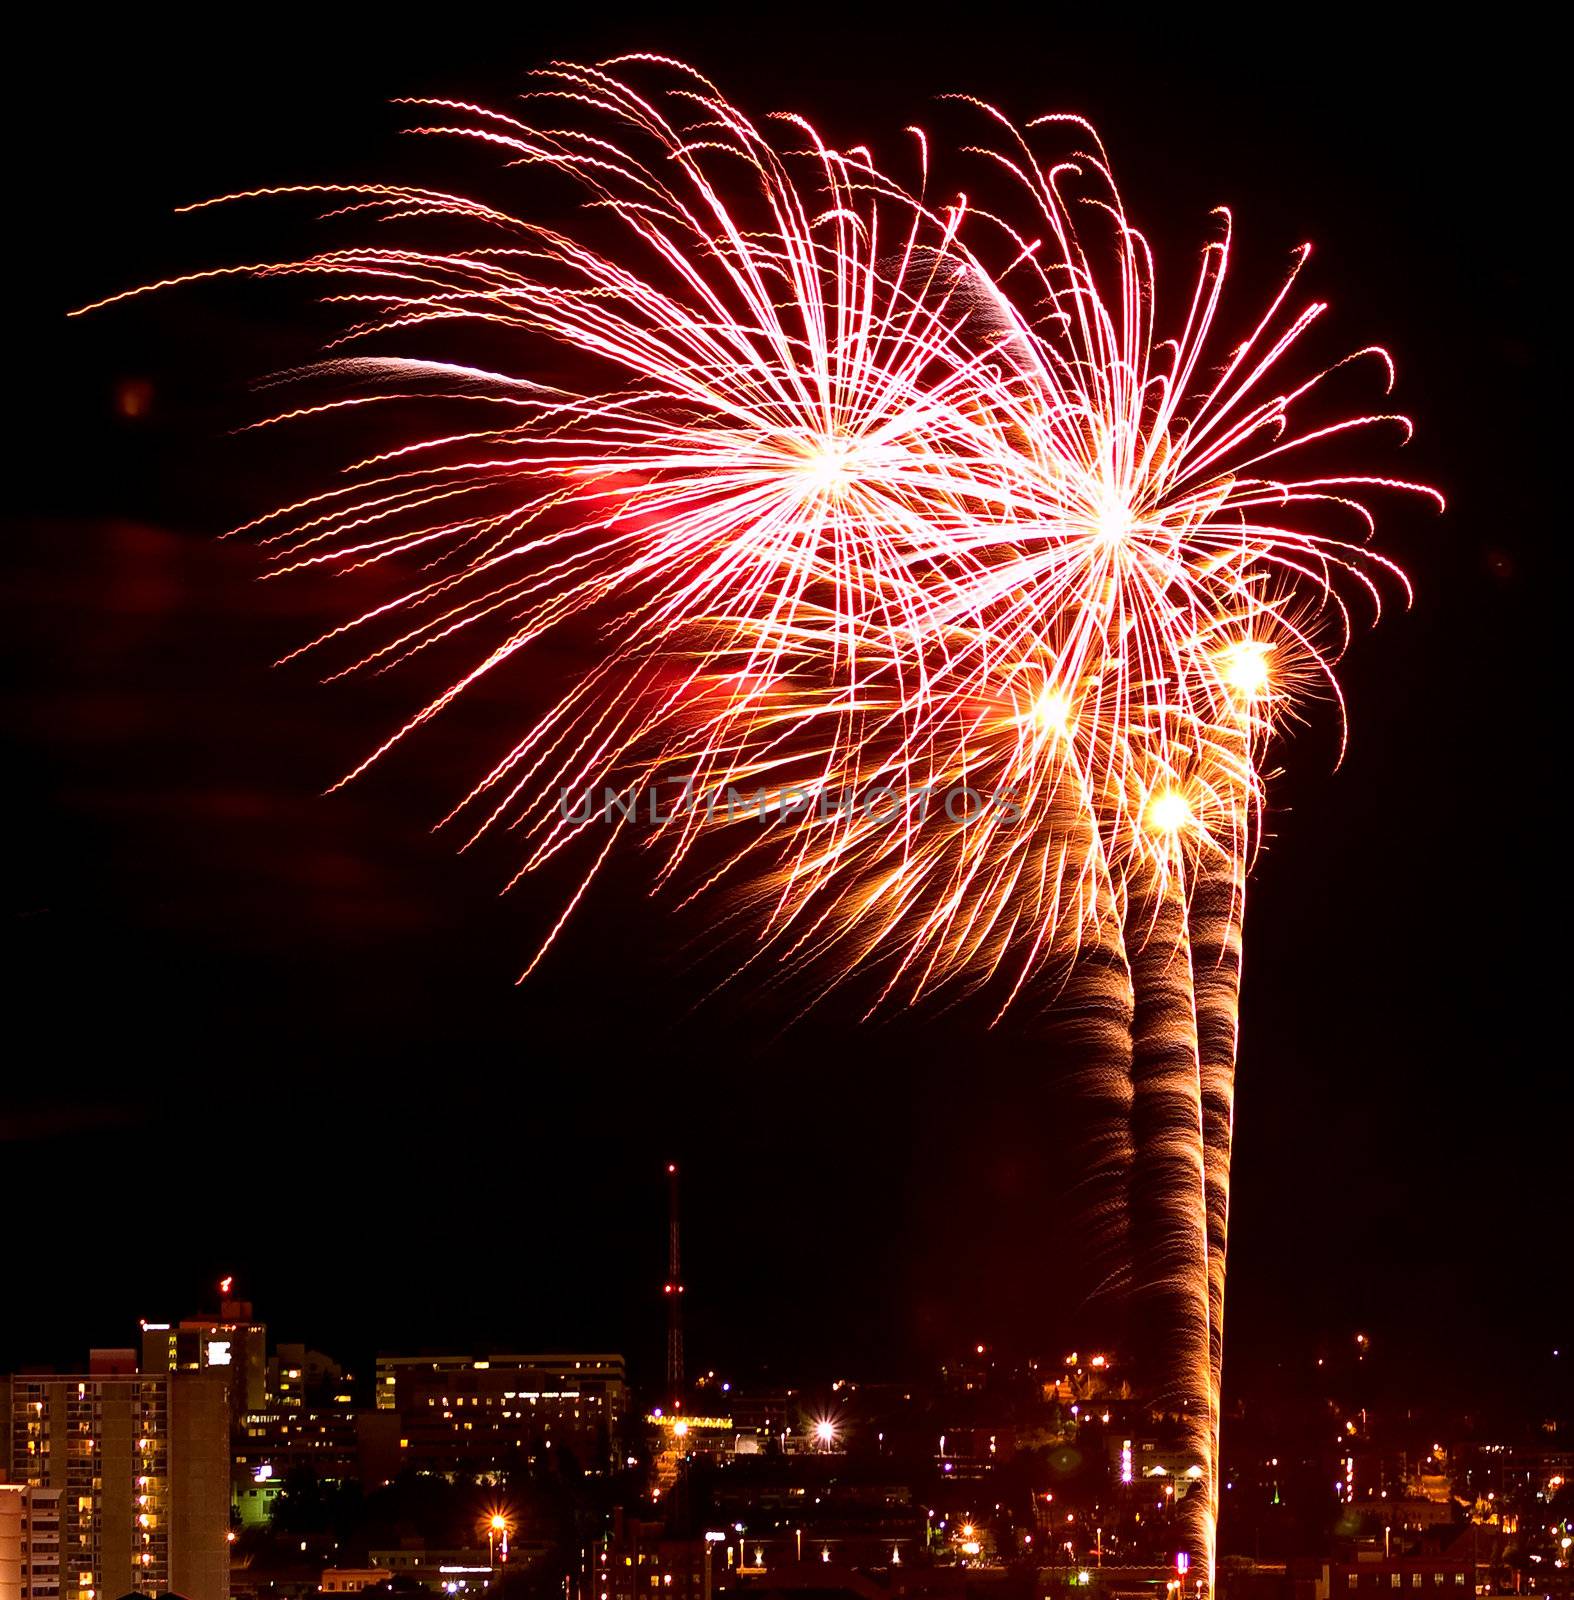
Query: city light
x=622, y=1554
x=498, y=1524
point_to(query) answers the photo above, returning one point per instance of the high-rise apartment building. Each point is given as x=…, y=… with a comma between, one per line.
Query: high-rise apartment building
x=233, y=1344
x=29, y=1542
x=140, y=1463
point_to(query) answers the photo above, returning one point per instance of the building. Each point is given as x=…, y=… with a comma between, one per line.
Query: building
x=682, y=1436
x=1518, y=1472
x=232, y=1344
x=642, y=1560
x=29, y=1542
x=478, y=1413
x=251, y=1504
x=766, y=1414
x=1405, y=1515
x=273, y=1444
x=351, y=1580
x=638, y=1561
x=140, y=1465
x=451, y=1572
x=300, y=1379
x=1441, y=1577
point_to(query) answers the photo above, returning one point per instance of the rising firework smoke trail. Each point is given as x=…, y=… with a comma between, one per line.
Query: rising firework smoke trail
x=1168, y=1201
x=1087, y=1033
x=1216, y=973
x=864, y=495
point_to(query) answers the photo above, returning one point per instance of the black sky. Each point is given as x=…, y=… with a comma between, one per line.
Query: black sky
x=261, y=1031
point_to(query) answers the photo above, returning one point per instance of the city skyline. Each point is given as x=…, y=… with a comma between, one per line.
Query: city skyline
x=966, y=1469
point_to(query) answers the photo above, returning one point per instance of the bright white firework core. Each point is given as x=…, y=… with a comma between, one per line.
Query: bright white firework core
x=1052, y=711
x=1244, y=667
x=827, y=467
x=1168, y=811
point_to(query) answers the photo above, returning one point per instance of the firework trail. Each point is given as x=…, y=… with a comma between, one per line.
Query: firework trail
x=867, y=500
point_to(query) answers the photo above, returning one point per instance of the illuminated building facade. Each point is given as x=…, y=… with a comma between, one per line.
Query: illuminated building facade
x=269, y=1445
x=232, y=1344
x=637, y=1561
x=481, y=1412
x=1410, y=1578
x=302, y=1379
x=351, y=1580
x=139, y=1462
x=1519, y=1471
x=642, y=1560
x=29, y=1542
x=448, y=1572
x=764, y=1414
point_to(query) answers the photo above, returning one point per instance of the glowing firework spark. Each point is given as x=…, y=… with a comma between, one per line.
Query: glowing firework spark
x=872, y=501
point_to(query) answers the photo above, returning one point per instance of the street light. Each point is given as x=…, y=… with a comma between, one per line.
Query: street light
x=711, y=1541
x=498, y=1529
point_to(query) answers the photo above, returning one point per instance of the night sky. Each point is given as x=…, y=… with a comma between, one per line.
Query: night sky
x=261, y=1031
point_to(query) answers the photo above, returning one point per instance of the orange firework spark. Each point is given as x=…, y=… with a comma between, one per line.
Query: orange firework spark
x=873, y=503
